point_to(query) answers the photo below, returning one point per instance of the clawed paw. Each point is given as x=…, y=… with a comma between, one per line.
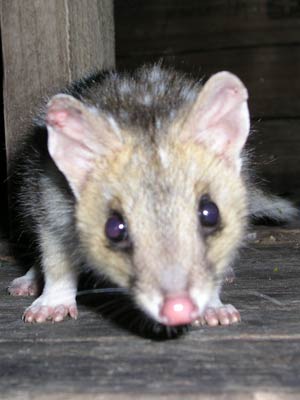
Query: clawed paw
x=24, y=286
x=223, y=315
x=43, y=313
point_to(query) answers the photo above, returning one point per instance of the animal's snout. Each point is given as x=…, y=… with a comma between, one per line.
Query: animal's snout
x=178, y=310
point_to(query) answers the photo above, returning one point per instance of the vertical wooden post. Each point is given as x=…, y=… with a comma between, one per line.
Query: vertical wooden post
x=47, y=44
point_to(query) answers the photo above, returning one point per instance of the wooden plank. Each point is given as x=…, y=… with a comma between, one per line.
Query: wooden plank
x=46, y=44
x=92, y=358
x=280, y=236
x=91, y=36
x=179, y=26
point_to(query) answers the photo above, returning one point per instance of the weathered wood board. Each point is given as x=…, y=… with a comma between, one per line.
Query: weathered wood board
x=177, y=25
x=46, y=45
x=91, y=358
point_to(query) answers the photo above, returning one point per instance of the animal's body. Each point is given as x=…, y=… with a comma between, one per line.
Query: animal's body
x=142, y=179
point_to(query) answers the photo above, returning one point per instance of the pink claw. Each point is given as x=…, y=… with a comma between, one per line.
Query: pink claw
x=23, y=287
x=58, y=313
x=223, y=315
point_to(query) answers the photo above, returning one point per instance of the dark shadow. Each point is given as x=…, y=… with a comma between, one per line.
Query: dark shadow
x=121, y=310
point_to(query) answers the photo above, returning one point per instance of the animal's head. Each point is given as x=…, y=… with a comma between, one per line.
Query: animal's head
x=161, y=214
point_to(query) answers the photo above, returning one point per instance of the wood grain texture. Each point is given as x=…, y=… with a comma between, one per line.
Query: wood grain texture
x=47, y=44
x=92, y=358
x=91, y=30
x=181, y=27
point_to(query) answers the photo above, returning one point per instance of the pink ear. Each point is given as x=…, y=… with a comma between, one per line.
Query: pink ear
x=220, y=117
x=76, y=134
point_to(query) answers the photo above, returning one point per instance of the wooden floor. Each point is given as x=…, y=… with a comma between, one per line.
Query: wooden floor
x=93, y=359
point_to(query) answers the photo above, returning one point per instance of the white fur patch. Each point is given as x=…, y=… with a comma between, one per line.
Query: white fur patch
x=164, y=158
x=151, y=304
x=202, y=297
x=158, y=124
x=155, y=74
x=115, y=127
x=60, y=292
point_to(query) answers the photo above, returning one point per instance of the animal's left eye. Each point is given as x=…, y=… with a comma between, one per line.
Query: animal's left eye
x=209, y=215
x=116, y=229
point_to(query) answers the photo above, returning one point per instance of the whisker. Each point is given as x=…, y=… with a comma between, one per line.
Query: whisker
x=101, y=290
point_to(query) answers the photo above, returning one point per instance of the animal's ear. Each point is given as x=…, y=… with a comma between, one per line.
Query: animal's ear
x=76, y=134
x=219, y=118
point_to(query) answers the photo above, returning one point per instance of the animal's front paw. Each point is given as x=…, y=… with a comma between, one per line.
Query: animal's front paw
x=225, y=314
x=24, y=286
x=42, y=310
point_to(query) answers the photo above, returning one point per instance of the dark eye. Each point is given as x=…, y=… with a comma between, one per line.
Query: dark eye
x=208, y=213
x=116, y=229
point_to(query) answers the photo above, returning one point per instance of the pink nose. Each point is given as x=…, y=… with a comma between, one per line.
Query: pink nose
x=178, y=310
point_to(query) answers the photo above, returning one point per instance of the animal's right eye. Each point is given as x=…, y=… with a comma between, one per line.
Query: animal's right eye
x=116, y=229
x=209, y=215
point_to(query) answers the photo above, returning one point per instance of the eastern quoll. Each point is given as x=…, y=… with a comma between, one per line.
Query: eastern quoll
x=142, y=178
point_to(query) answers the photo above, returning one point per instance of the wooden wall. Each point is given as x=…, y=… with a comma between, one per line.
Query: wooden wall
x=45, y=45
x=259, y=40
